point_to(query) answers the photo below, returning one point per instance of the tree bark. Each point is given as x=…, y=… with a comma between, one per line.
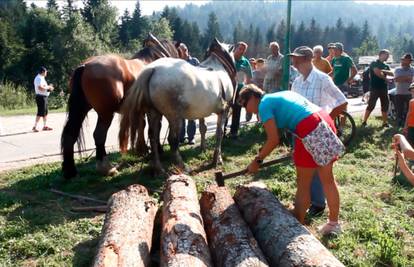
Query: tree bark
x=282, y=238
x=231, y=241
x=183, y=239
x=127, y=231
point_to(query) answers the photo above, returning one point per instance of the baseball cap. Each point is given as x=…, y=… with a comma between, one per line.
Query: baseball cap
x=339, y=46
x=407, y=56
x=331, y=45
x=302, y=51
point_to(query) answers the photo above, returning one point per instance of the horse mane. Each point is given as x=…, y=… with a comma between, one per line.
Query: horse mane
x=151, y=51
x=218, y=49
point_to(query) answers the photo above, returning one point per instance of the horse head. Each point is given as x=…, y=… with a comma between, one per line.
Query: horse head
x=155, y=49
x=224, y=53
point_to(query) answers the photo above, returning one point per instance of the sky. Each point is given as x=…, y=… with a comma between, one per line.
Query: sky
x=147, y=6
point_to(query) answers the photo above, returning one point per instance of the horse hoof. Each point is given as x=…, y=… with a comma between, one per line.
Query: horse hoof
x=69, y=172
x=105, y=168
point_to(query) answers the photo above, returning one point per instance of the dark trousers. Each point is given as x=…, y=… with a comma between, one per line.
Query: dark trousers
x=235, y=117
x=401, y=108
x=191, y=130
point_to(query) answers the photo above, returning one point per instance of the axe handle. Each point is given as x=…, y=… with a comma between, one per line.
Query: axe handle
x=264, y=164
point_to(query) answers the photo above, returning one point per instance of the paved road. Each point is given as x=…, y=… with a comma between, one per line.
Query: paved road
x=20, y=147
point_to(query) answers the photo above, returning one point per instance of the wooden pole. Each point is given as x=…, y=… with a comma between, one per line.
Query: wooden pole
x=127, y=232
x=230, y=239
x=282, y=238
x=183, y=239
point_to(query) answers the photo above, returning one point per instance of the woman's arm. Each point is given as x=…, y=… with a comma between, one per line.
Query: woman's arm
x=272, y=140
x=404, y=167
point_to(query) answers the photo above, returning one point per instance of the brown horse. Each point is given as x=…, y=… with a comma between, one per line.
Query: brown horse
x=101, y=83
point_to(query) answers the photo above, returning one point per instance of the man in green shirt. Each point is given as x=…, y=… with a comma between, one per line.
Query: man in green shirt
x=343, y=68
x=244, y=76
x=379, y=71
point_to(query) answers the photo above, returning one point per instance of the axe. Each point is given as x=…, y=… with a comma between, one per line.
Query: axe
x=220, y=177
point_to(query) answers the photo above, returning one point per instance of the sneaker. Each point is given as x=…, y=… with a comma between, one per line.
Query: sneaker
x=330, y=228
x=386, y=125
x=46, y=128
x=364, y=124
x=35, y=130
x=315, y=211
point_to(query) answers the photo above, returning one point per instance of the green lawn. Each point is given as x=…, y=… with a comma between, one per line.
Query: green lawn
x=26, y=111
x=38, y=228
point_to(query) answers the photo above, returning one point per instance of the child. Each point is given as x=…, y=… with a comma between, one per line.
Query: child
x=409, y=121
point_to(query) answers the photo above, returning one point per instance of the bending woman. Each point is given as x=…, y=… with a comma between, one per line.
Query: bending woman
x=292, y=111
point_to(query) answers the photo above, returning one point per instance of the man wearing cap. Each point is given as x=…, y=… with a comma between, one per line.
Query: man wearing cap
x=344, y=69
x=403, y=78
x=319, y=89
x=331, y=52
x=378, y=72
x=42, y=90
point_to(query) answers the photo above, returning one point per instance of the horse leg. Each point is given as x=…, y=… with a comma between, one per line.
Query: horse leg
x=174, y=141
x=217, y=159
x=154, y=118
x=141, y=147
x=103, y=166
x=203, y=130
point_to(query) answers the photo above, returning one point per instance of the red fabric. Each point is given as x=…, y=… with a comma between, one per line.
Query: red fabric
x=301, y=156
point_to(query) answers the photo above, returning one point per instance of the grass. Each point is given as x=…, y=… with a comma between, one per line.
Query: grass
x=38, y=228
x=27, y=111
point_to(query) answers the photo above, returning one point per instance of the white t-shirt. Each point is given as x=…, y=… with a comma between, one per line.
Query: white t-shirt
x=40, y=80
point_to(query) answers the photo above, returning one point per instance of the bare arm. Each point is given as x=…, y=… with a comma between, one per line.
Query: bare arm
x=379, y=73
x=338, y=110
x=404, y=79
x=404, y=167
x=354, y=72
x=406, y=148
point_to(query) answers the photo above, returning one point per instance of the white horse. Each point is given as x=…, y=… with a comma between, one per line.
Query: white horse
x=177, y=90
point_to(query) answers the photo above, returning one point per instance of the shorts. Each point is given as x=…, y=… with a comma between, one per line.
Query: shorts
x=42, y=109
x=301, y=156
x=382, y=94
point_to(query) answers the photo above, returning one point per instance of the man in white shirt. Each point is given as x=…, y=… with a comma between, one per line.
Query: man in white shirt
x=320, y=89
x=42, y=90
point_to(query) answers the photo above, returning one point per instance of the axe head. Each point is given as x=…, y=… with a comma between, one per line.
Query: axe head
x=219, y=178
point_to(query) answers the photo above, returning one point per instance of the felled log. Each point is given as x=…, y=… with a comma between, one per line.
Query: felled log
x=284, y=241
x=230, y=239
x=183, y=239
x=127, y=231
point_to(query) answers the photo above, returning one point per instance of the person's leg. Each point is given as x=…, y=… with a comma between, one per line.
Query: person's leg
x=331, y=191
x=406, y=102
x=385, y=103
x=191, y=130
x=373, y=96
x=317, y=196
x=302, y=199
x=235, y=120
x=40, y=111
x=182, y=132
x=399, y=109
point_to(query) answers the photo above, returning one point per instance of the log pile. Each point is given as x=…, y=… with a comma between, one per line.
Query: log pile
x=127, y=232
x=282, y=238
x=183, y=239
x=253, y=229
x=230, y=239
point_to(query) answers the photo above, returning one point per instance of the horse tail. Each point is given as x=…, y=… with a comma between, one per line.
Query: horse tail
x=77, y=109
x=133, y=109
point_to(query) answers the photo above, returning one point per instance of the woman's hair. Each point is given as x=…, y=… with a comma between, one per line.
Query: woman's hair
x=248, y=91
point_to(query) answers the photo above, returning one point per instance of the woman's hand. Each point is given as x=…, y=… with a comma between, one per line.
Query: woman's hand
x=253, y=167
x=396, y=141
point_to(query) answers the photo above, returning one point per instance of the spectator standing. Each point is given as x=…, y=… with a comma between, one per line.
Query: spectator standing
x=274, y=70
x=244, y=76
x=259, y=73
x=403, y=77
x=191, y=125
x=42, y=91
x=319, y=62
x=318, y=88
x=378, y=72
x=344, y=69
x=331, y=52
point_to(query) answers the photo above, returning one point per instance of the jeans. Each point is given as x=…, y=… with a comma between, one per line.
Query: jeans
x=191, y=129
x=317, y=195
x=401, y=108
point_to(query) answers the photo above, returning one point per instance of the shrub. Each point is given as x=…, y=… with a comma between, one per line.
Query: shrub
x=14, y=96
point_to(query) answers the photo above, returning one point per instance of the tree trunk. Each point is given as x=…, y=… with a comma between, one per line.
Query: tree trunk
x=183, y=239
x=282, y=238
x=127, y=231
x=230, y=239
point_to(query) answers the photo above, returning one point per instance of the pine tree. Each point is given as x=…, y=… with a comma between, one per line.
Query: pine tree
x=212, y=31
x=124, y=30
x=238, y=32
x=281, y=34
x=136, y=24
x=52, y=6
x=270, y=34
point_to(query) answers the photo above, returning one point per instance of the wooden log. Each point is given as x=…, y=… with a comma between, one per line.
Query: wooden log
x=127, y=232
x=183, y=239
x=282, y=238
x=230, y=239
